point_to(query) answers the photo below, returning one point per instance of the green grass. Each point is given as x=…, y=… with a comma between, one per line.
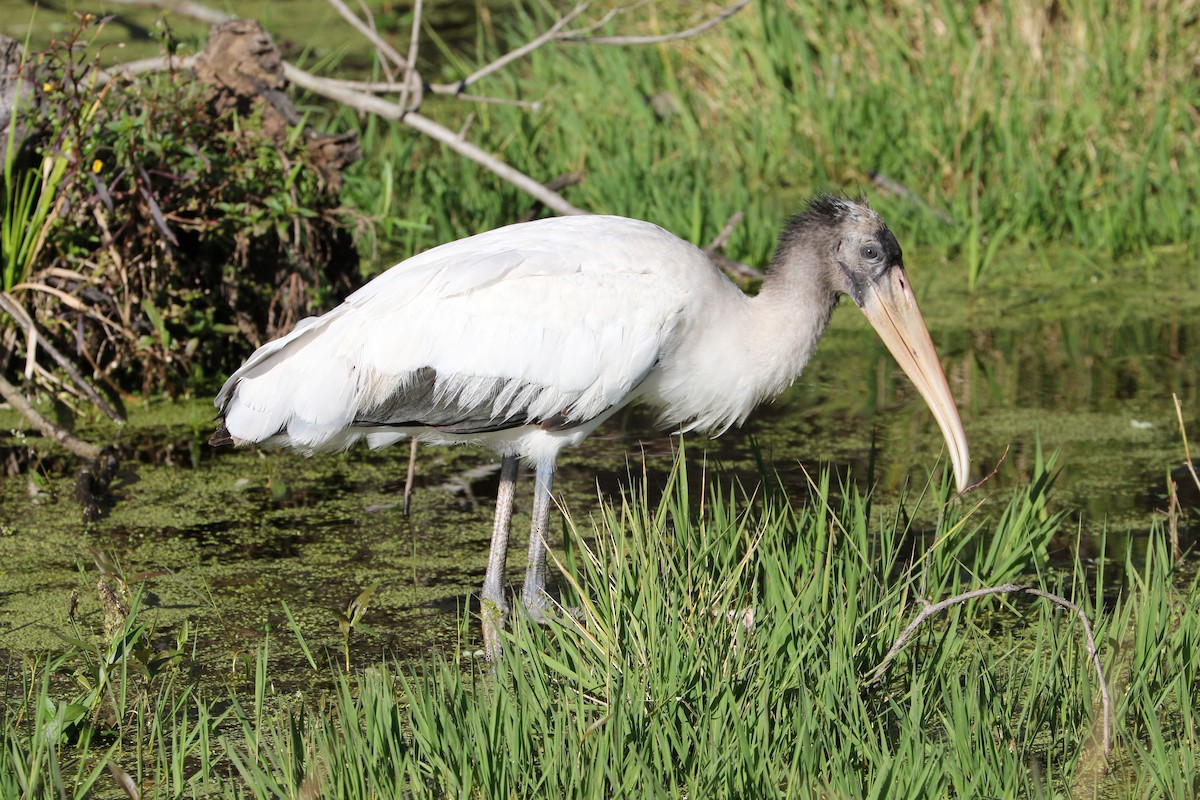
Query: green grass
x=1027, y=125
x=656, y=687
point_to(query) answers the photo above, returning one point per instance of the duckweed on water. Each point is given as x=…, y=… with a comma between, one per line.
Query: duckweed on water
x=235, y=535
x=719, y=649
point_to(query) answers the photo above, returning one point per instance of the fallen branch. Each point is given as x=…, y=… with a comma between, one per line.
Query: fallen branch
x=554, y=185
x=580, y=37
x=722, y=238
x=14, y=309
x=361, y=95
x=70, y=441
x=552, y=34
x=371, y=104
x=723, y=261
x=410, y=477
x=144, y=65
x=1174, y=512
x=412, y=76
x=1187, y=452
x=931, y=609
x=381, y=46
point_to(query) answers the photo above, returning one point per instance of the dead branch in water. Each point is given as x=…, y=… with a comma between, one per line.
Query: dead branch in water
x=12, y=395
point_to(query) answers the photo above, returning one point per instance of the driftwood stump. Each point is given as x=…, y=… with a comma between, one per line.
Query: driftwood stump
x=244, y=71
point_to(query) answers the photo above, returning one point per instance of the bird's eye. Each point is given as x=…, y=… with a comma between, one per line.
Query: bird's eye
x=871, y=252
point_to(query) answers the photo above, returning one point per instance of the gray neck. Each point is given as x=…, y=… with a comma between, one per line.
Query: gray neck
x=791, y=312
x=749, y=349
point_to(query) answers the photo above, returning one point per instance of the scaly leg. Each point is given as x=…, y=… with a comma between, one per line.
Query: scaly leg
x=533, y=594
x=493, y=606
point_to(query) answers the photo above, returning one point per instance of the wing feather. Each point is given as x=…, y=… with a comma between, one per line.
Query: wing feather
x=556, y=320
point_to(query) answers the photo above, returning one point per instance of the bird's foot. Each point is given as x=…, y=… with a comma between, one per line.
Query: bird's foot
x=537, y=612
x=546, y=608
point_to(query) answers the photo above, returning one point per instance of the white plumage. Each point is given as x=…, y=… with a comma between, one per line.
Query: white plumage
x=525, y=338
x=568, y=325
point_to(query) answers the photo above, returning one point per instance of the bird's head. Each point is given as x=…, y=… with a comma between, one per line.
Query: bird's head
x=863, y=261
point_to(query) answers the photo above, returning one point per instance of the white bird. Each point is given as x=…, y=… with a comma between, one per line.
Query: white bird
x=524, y=339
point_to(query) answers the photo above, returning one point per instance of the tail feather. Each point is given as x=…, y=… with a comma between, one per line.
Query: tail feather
x=296, y=388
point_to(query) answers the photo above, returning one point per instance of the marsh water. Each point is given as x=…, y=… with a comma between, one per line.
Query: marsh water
x=1081, y=360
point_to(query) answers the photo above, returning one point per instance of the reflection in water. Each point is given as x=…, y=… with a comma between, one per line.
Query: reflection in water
x=1095, y=389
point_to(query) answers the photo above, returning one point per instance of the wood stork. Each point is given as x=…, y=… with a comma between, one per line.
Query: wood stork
x=526, y=338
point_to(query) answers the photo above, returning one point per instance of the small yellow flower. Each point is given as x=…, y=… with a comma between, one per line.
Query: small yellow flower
x=97, y=165
x=48, y=86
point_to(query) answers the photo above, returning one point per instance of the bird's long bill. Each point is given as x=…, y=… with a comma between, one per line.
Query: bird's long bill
x=890, y=306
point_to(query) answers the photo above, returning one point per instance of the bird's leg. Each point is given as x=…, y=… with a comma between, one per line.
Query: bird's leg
x=493, y=606
x=533, y=595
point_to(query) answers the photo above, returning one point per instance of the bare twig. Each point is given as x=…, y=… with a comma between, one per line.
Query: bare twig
x=722, y=238
x=729, y=265
x=17, y=312
x=607, y=18
x=141, y=66
x=44, y=426
x=410, y=476
x=902, y=191
x=982, y=480
x=383, y=87
x=412, y=77
x=1174, y=511
x=551, y=199
x=557, y=33
x=367, y=14
x=557, y=184
x=466, y=126
x=1187, y=452
x=552, y=34
x=528, y=105
x=931, y=609
x=735, y=267
x=712, y=22
x=381, y=46
x=70, y=301
x=374, y=87
x=375, y=105
x=184, y=8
